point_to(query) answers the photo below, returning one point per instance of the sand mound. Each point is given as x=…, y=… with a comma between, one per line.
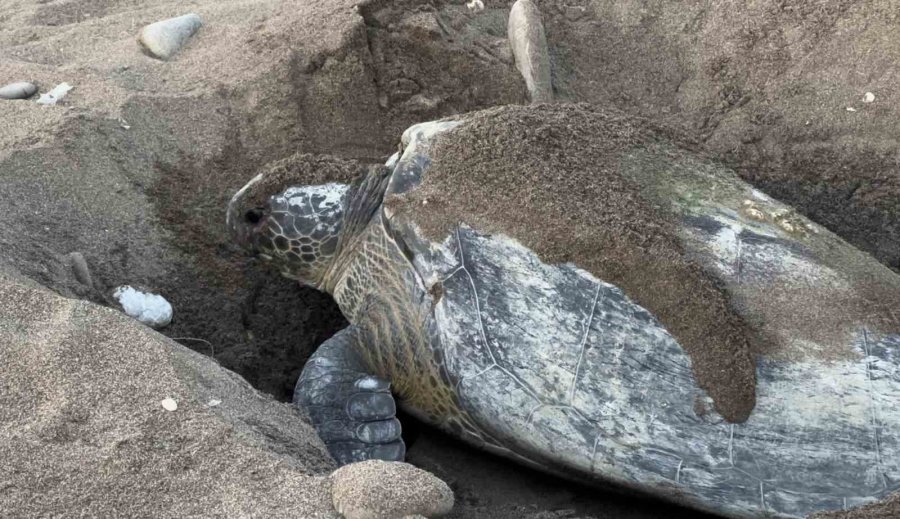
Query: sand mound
x=82, y=425
x=767, y=86
x=886, y=509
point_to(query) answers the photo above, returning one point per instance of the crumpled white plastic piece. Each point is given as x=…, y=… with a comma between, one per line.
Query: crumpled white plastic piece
x=169, y=404
x=869, y=97
x=55, y=94
x=476, y=5
x=150, y=309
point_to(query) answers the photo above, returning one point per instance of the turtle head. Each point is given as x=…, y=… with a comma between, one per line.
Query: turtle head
x=297, y=228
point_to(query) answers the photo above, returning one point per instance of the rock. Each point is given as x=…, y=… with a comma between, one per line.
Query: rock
x=150, y=309
x=55, y=95
x=19, y=90
x=82, y=428
x=378, y=489
x=529, y=47
x=164, y=38
x=80, y=269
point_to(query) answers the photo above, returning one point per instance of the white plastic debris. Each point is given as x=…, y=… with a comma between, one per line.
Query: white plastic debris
x=150, y=309
x=476, y=5
x=214, y=402
x=169, y=404
x=869, y=97
x=164, y=38
x=53, y=96
x=851, y=109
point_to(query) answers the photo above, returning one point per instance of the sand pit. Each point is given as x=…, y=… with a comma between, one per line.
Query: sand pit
x=133, y=168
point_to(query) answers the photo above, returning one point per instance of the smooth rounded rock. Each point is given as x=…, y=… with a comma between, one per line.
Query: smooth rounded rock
x=529, y=47
x=377, y=489
x=18, y=90
x=163, y=39
x=80, y=269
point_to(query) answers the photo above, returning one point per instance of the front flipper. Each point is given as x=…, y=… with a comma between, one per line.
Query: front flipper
x=353, y=411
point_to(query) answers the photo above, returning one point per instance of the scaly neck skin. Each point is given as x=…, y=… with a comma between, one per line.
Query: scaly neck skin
x=362, y=218
x=369, y=270
x=377, y=290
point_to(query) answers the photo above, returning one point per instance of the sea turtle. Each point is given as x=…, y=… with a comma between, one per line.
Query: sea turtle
x=549, y=365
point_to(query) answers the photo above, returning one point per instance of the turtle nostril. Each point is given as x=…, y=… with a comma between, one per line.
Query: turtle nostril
x=253, y=216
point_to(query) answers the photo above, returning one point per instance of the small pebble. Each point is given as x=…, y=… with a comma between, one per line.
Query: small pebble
x=869, y=97
x=80, y=269
x=163, y=39
x=55, y=95
x=169, y=404
x=150, y=309
x=20, y=90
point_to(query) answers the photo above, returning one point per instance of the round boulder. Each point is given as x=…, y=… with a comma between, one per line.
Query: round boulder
x=381, y=489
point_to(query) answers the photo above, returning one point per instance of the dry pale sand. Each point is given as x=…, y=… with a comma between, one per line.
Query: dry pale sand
x=83, y=431
x=134, y=167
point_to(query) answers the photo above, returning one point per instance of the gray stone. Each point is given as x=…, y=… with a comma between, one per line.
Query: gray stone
x=18, y=90
x=80, y=269
x=378, y=489
x=529, y=47
x=163, y=39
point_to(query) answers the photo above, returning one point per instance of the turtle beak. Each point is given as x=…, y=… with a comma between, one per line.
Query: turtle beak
x=242, y=227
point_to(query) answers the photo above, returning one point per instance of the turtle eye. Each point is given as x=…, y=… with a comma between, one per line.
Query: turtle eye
x=253, y=216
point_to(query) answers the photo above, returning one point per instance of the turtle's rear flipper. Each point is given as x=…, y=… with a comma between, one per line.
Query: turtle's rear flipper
x=353, y=411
